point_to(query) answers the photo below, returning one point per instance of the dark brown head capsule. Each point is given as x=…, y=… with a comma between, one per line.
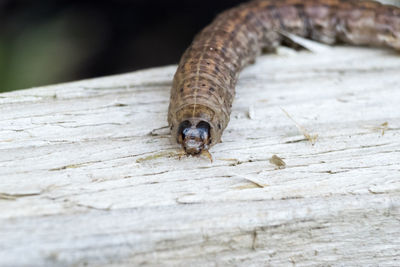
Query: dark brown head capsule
x=194, y=138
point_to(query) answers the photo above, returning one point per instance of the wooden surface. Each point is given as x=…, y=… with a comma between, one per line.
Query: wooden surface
x=88, y=178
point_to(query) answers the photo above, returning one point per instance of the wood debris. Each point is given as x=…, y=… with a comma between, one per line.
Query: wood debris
x=251, y=113
x=162, y=154
x=380, y=128
x=277, y=161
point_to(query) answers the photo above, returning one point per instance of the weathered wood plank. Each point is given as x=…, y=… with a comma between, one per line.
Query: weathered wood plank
x=83, y=180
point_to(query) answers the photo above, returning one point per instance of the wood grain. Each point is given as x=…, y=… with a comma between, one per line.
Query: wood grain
x=82, y=182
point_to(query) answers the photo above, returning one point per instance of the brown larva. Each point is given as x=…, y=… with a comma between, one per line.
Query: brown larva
x=204, y=83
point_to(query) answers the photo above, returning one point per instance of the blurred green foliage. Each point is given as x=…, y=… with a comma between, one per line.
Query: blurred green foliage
x=54, y=49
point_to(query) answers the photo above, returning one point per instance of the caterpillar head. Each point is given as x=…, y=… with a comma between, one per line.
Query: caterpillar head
x=194, y=138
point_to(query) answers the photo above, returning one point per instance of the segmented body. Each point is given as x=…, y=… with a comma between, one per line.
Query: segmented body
x=204, y=84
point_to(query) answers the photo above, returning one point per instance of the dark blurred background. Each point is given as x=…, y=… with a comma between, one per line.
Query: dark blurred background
x=46, y=42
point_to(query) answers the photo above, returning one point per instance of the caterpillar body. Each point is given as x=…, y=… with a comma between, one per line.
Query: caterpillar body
x=204, y=84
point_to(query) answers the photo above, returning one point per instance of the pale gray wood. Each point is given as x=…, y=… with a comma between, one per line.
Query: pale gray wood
x=87, y=176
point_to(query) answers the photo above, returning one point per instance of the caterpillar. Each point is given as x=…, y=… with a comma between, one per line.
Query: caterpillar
x=204, y=83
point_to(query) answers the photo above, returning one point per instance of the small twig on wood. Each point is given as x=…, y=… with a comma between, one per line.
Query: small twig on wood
x=310, y=137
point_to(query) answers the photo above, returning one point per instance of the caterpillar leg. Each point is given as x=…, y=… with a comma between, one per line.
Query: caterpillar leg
x=207, y=154
x=181, y=153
